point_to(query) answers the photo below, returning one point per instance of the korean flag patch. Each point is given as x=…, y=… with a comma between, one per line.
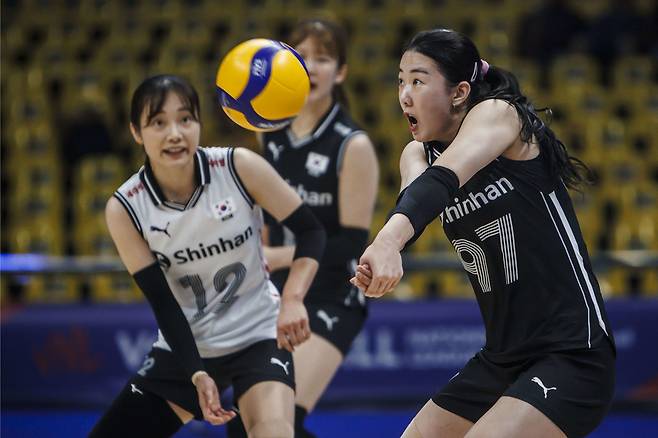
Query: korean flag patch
x=316, y=164
x=224, y=210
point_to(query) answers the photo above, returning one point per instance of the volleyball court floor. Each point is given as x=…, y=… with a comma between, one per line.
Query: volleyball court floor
x=325, y=423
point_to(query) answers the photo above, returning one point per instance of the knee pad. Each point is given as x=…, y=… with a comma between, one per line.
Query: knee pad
x=274, y=428
x=137, y=412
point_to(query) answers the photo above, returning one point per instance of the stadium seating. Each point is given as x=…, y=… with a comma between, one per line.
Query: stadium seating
x=58, y=54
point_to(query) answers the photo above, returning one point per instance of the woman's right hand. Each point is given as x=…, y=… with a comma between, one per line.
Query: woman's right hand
x=208, y=394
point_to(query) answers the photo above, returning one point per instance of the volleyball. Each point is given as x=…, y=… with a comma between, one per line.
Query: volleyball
x=262, y=84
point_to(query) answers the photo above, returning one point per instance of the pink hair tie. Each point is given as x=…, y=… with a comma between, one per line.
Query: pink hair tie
x=485, y=67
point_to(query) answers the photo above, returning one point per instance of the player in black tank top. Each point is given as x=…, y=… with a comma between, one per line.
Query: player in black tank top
x=496, y=176
x=331, y=164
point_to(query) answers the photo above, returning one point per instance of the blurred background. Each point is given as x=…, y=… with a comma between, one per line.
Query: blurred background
x=74, y=324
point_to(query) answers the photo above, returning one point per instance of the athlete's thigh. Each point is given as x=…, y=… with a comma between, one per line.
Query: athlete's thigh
x=434, y=421
x=316, y=362
x=514, y=418
x=267, y=401
x=573, y=389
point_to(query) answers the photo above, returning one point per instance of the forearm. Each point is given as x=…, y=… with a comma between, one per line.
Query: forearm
x=279, y=257
x=396, y=232
x=302, y=272
x=170, y=318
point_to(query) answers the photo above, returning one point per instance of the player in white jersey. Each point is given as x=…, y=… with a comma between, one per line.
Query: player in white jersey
x=187, y=227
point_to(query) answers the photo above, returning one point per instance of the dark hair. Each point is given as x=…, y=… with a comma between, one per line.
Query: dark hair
x=458, y=60
x=153, y=91
x=332, y=38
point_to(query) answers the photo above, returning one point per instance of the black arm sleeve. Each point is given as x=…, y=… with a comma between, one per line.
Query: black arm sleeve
x=346, y=245
x=426, y=197
x=171, y=320
x=310, y=237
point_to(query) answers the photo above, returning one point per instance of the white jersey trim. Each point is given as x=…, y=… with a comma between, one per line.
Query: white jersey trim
x=236, y=178
x=341, y=149
x=130, y=210
x=579, y=258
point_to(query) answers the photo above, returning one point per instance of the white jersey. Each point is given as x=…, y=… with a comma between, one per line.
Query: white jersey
x=211, y=253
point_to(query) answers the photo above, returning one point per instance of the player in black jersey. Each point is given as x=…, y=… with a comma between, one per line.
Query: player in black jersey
x=331, y=163
x=497, y=177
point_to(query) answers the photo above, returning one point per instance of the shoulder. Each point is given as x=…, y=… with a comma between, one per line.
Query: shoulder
x=413, y=148
x=132, y=187
x=494, y=111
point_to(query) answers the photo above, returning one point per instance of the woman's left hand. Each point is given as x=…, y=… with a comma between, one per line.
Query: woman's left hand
x=379, y=270
x=292, y=327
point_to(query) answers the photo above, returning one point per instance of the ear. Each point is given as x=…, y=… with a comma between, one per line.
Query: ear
x=461, y=93
x=136, y=135
x=341, y=75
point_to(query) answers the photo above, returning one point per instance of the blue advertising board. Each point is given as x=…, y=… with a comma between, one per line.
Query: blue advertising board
x=82, y=355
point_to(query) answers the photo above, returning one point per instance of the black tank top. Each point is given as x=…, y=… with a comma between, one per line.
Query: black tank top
x=516, y=233
x=311, y=165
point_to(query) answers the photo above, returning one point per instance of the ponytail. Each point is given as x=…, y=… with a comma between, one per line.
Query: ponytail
x=498, y=83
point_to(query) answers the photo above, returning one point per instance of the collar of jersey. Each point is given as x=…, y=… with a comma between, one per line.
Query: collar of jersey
x=201, y=175
x=322, y=126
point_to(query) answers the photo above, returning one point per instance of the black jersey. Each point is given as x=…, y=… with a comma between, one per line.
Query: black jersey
x=311, y=165
x=516, y=233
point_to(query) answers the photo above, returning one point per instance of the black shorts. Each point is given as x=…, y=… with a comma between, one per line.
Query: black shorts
x=337, y=323
x=573, y=389
x=161, y=373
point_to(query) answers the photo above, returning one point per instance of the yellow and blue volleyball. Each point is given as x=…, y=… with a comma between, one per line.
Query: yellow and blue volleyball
x=262, y=84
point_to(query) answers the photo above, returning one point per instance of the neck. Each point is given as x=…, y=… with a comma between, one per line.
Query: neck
x=177, y=183
x=455, y=124
x=308, y=118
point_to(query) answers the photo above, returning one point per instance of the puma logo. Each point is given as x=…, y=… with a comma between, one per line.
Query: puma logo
x=161, y=230
x=275, y=361
x=276, y=150
x=329, y=320
x=133, y=388
x=538, y=381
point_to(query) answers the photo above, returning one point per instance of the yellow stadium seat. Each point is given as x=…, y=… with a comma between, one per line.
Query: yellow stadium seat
x=633, y=74
x=650, y=282
x=37, y=236
x=116, y=288
x=455, y=284
x=57, y=288
x=571, y=75
x=106, y=171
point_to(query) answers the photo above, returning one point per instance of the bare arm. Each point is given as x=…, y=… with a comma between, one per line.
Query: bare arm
x=412, y=163
x=137, y=257
x=487, y=131
x=357, y=185
x=272, y=193
x=133, y=249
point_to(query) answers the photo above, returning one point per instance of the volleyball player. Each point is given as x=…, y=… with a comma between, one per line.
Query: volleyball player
x=331, y=163
x=497, y=177
x=187, y=226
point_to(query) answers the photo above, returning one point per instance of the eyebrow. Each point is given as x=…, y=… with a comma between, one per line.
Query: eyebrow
x=417, y=70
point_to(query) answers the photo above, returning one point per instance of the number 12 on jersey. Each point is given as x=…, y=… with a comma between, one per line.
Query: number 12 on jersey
x=224, y=288
x=503, y=228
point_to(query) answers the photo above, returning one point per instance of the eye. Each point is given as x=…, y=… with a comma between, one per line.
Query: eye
x=400, y=81
x=187, y=119
x=159, y=123
x=417, y=82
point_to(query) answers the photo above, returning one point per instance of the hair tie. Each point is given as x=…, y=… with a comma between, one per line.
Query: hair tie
x=485, y=67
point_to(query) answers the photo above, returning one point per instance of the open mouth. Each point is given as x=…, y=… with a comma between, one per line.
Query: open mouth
x=174, y=152
x=413, y=122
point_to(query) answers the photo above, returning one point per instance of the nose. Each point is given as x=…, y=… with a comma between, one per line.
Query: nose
x=174, y=133
x=405, y=97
